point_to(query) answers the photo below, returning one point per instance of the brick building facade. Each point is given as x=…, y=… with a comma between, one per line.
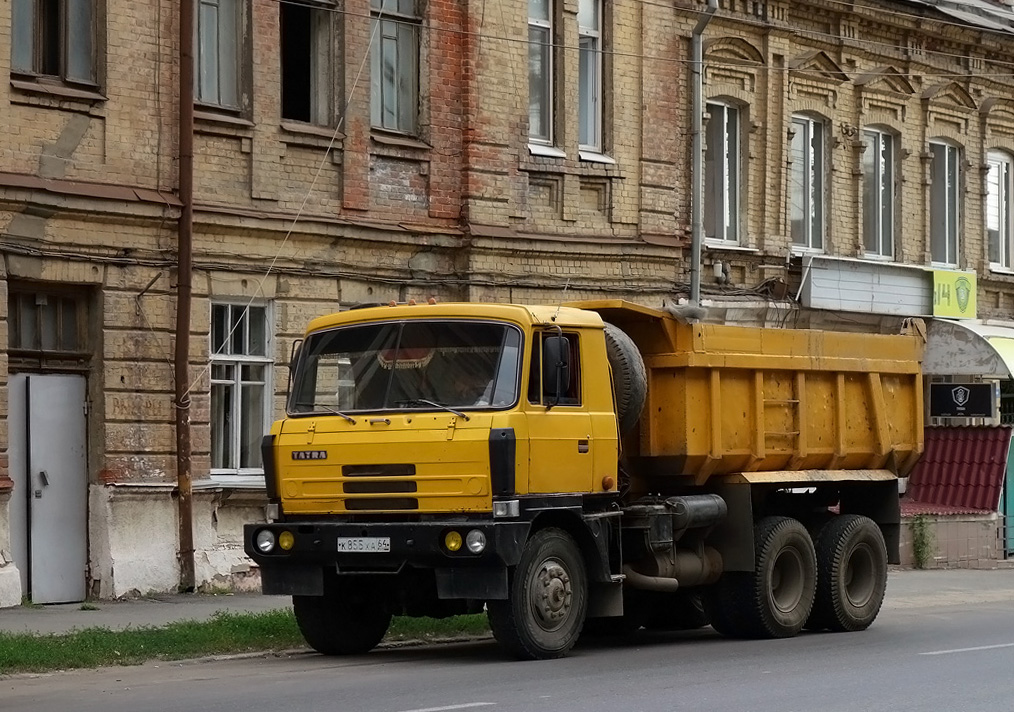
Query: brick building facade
x=395, y=149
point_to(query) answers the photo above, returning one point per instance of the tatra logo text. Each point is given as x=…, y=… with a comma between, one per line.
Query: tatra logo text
x=309, y=454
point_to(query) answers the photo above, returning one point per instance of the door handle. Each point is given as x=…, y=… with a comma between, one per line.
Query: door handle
x=43, y=482
x=582, y=446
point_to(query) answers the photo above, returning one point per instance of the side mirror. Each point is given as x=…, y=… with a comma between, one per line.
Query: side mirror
x=555, y=367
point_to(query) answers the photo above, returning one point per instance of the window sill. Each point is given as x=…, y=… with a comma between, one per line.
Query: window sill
x=46, y=93
x=1001, y=269
x=398, y=140
x=595, y=157
x=215, y=124
x=538, y=149
x=712, y=243
x=311, y=135
x=873, y=257
x=243, y=482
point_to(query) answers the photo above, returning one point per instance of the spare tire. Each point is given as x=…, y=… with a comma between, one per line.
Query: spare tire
x=630, y=380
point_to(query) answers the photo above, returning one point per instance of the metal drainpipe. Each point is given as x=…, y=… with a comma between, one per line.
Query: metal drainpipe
x=184, y=478
x=697, y=170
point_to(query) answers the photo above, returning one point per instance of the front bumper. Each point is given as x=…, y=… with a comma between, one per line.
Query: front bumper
x=301, y=569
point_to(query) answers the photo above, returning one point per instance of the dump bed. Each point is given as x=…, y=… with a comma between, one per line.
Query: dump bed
x=727, y=399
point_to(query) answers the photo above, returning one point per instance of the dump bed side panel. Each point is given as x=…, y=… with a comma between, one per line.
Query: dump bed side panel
x=727, y=399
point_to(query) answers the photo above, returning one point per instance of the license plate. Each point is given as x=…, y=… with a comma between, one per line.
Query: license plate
x=364, y=544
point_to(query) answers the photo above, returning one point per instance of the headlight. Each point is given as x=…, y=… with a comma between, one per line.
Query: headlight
x=452, y=540
x=265, y=541
x=475, y=541
x=286, y=540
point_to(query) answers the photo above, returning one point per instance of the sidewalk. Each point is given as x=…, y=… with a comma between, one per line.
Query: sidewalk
x=137, y=613
x=905, y=589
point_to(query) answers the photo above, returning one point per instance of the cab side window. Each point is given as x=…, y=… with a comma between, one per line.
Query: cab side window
x=540, y=393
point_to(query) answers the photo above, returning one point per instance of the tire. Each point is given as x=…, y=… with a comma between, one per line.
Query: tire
x=683, y=610
x=851, y=574
x=630, y=379
x=332, y=625
x=547, y=599
x=775, y=600
x=726, y=602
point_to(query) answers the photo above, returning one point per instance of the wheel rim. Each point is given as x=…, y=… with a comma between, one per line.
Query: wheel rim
x=551, y=594
x=860, y=577
x=787, y=576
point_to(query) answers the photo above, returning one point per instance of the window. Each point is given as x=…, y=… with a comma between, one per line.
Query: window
x=217, y=64
x=543, y=393
x=54, y=38
x=806, y=207
x=306, y=49
x=998, y=209
x=240, y=398
x=721, y=174
x=40, y=321
x=589, y=22
x=878, y=193
x=945, y=176
x=540, y=71
x=395, y=65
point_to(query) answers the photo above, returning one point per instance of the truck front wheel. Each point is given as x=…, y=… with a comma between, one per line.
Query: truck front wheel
x=852, y=574
x=336, y=625
x=548, y=598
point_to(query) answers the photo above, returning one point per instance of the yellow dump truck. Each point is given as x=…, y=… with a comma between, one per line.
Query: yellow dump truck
x=595, y=466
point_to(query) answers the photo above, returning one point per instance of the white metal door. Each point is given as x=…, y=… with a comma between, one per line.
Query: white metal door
x=49, y=513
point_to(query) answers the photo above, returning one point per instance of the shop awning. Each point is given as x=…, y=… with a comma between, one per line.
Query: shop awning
x=969, y=348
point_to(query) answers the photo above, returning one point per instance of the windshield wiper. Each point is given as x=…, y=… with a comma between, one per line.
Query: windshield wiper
x=441, y=406
x=329, y=409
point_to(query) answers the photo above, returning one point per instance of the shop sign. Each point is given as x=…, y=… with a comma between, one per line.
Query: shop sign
x=962, y=400
x=954, y=294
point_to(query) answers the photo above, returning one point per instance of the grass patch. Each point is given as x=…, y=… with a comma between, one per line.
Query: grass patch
x=97, y=647
x=435, y=628
x=225, y=633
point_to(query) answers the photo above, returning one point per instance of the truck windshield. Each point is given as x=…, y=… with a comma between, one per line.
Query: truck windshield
x=414, y=364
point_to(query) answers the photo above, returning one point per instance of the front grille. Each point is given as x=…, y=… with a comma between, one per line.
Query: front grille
x=378, y=470
x=382, y=487
x=383, y=479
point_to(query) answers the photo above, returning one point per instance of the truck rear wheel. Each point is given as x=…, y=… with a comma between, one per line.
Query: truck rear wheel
x=630, y=380
x=548, y=598
x=852, y=574
x=333, y=625
x=775, y=599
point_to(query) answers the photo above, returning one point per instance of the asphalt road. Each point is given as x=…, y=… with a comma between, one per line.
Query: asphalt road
x=947, y=645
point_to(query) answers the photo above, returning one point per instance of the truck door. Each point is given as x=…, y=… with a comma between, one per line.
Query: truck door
x=560, y=432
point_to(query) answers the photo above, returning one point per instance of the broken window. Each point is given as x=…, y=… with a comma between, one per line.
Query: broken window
x=307, y=46
x=54, y=38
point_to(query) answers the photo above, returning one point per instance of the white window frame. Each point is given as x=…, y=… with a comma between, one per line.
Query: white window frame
x=723, y=173
x=945, y=203
x=999, y=209
x=879, y=161
x=218, y=52
x=590, y=100
x=808, y=183
x=541, y=53
x=397, y=35
x=34, y=47
x=234, y=472
x=321, y=13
